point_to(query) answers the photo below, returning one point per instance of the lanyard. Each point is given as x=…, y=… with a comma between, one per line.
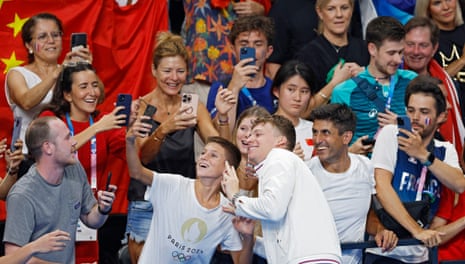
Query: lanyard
x=421, y=184
x=93, y=152
x=391, y=93
x=247, y=93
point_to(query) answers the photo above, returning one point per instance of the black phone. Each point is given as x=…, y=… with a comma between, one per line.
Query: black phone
x=124, y=100
x=149, y=111
x=404, y=122
x=78, y=40
x=368, y=141
x=16, y=131
x=107, y=186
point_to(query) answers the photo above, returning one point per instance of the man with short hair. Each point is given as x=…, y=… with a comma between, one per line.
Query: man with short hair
x=248, y=82
x=411, y=163
x=421, y=43
x=297, y=224
x=376, y=95
x=188, y=221
x=54, y=194
x=347, y=179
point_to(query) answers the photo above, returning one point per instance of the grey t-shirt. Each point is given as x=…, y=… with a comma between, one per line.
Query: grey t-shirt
x=35, y=207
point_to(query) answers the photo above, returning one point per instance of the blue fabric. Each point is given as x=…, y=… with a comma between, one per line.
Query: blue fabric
x=262, y=96
x=139, y=218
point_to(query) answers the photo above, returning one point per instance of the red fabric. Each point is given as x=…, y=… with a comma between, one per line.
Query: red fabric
x=454, y=248
x=121, y=40
x=225, y=3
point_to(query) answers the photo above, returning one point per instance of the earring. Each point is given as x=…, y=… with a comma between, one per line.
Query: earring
x=30, y=51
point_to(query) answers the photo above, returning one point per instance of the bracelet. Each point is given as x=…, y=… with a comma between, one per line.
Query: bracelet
x=12, y=172
x=102, y=212
x=223, y=122
x=156, y=138
x=323, y=95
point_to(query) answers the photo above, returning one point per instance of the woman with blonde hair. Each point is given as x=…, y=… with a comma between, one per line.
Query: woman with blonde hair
x=170, y=146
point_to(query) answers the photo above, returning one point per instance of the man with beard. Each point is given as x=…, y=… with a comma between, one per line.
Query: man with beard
x=410, y=164
x=376, y=95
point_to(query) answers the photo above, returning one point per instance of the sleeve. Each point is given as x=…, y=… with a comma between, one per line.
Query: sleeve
x=211, y=98
x=385, y=151
x=88, y=198
x=19, y=223
x=278, y=184
x=233, y=241
x=446, y=203
x=341, y=93
x=451, y=158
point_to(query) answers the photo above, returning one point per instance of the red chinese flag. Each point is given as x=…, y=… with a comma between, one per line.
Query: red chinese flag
x=121, y=40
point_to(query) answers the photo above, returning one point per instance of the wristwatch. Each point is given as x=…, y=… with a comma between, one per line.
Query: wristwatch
x=430, y=160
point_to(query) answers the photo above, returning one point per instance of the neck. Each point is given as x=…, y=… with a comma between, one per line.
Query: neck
x=293, y=119
x=165, y=102
x=380, y=77
x=257, y=82
x=339, y=40
x=79, y=116
x=51, y=173
x=44, y=67
x=447, y=26
x=207, y=192
x=341, y=165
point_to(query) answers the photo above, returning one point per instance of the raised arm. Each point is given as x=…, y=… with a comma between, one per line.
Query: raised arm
x=13, y=160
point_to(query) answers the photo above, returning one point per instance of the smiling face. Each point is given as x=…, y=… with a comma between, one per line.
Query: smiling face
x=386, y=58
x=443, y=12
x=242, y=134
x=84, y=95
x=294, y=96
x=335, y=16
x=418, y=49
x=211, y=162
x=263, y=138
x=330, y=145
x=46, y=43
x=171, y=74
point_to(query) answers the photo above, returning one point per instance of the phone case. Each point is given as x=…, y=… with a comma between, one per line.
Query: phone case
x=404, y=122
x=16, y=131
x=124, y=100
x=247, y=52
x=78, y=39
x=192, y=100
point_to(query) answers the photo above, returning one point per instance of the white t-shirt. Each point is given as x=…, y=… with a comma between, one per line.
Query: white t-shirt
x=304, y=136
x=349, y=197
x=181, y=229
x=296, y=220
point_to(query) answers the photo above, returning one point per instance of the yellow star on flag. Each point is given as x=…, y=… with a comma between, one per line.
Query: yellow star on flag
x=1, y=2
x=17, y=24
x=11, y=62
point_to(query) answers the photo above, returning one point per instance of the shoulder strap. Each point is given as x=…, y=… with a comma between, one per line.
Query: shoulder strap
x=370, y=93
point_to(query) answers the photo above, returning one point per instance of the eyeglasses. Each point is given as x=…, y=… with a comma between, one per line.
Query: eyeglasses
x=55, y=35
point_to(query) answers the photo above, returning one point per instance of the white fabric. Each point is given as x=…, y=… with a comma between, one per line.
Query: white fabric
x=385, y=157
x=32, y=80
x=182, y=230
x=349, y=197
x=304, y=135
x=296, y=220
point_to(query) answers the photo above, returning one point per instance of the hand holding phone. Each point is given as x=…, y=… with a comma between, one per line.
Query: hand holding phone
x=126, y=101
x=368, y=141
x=191, y=102
x=149, y=111
x=78, y=40
x=16, y=131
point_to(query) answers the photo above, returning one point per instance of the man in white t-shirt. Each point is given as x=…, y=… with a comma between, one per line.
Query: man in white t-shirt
x=410, y=159
x=297, y=224
x=347, y=179
x=188, y=221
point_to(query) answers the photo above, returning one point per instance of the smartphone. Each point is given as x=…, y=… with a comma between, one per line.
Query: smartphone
x=124, y=100
x=404, y=122
x=247, y=52
x=78, y=40
x=107, y=186
x=368, y=141
x=16, y=131
x=192, y=100
x=149, y=111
